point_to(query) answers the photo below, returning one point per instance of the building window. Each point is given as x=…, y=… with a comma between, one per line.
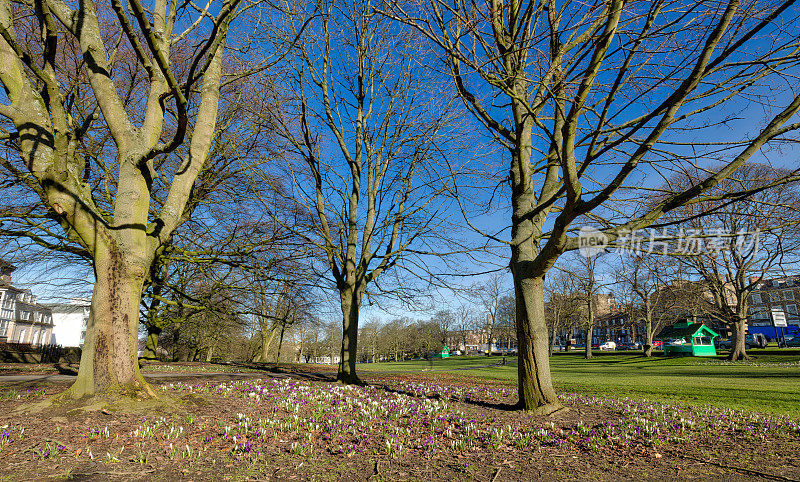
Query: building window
x=791, y=309
x=3, y=328
x=788, y=295
x=775, y=296
x=21, y=338
x=755, y=298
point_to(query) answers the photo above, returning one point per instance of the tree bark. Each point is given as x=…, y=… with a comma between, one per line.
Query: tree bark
x=536, y=391
x=151, y=344
x=587, y=352
x=590, y=327
x=648, y=346
x=280, y=343
x=109, y=365
x=351, y=305
x=266, y=341
x=738, y=348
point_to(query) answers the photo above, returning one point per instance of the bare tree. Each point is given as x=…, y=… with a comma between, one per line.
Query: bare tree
x=370, y=332
x=370, y=128
x=446, y=323
x=52, y=137
x=488, y=296
x=562, y=307
x=506, y=327
x=658, y=291
x=737, y=244
x=588, y=291
x=590, y=98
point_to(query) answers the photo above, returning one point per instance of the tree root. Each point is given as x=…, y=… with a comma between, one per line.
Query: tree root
x=548, y=409
x=145, y=399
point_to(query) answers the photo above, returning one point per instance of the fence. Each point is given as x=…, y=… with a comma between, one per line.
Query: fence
x=27, y=353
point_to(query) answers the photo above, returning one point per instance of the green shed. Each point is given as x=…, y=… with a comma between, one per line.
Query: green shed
x=445, y=353
x=688, y=339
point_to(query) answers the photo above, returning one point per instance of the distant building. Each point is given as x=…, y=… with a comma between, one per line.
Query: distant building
x=22, y=320
x=783, y=293
x=477, y=341
x=606, y=313
x=69, y=322
x=604, y=304
x=615, y=327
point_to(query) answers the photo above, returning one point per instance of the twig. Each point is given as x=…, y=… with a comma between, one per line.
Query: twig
x=377, y=469
x=497, y=474
x=739, y=469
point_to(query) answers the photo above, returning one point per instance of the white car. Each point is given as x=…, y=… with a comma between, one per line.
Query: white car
x=609, y=345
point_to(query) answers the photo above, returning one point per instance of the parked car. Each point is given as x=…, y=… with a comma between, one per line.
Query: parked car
x=629, y=346
x=609, y=345
x=751, y=340
x=757, y=340
x=792, y=341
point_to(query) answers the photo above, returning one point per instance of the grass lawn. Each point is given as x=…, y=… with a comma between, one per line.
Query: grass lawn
x=770, y=383
x=438, y=364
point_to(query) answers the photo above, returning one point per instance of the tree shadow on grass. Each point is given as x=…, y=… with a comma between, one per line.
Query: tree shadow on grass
x=66, y=369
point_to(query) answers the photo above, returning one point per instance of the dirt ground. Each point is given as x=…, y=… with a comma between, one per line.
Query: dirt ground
x=410, y=427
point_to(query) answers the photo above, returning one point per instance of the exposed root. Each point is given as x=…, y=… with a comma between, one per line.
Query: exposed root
x=739, y=356
x=548, y=409
x=127, y=399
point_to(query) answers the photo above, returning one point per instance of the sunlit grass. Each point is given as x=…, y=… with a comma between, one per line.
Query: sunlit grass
x=769, y=383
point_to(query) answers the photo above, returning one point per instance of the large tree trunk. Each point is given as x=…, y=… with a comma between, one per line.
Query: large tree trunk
x=648, y=346
x=109, y=365
x=151, y=344
x=266, y=341
x=536, y=391
x=738, y=348
x=351, y=305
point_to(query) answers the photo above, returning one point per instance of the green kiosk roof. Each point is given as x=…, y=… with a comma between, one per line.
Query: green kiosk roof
x=684, y=329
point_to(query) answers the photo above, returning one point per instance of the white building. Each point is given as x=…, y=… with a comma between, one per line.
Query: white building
x=69, y=322
x=22, y=320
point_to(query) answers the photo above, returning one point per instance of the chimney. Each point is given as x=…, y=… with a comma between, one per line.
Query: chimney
x=6, y=269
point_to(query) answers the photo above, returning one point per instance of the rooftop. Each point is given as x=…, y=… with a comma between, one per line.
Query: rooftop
x=684, y=329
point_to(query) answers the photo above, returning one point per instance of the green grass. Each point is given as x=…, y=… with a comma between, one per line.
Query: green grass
x=748, y=386
x=437, y=364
